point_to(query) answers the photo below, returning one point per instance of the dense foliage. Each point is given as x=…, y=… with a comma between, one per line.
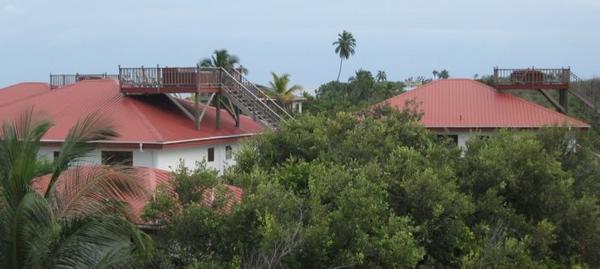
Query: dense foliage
x=377, y=190
x=361, y=91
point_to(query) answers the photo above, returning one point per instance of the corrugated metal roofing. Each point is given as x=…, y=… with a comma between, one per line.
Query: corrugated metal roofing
x=21, y=91
x=469, y=104
x=137, y=119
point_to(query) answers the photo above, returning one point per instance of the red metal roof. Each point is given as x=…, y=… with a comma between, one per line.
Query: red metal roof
x=21, y=91
x=137, y=119
x=469, y=104
x=149, y=179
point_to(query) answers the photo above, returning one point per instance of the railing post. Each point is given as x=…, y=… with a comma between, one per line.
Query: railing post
x=496, y=75
x=218, y=110
x=158, y=79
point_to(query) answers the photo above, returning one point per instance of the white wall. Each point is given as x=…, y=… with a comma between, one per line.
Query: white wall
x=464, y=137
x=166, y=159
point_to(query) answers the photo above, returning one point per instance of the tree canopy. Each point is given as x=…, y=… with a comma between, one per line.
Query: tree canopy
x=375, y=189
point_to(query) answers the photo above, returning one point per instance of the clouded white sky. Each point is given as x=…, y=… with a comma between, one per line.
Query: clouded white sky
x=404, y=38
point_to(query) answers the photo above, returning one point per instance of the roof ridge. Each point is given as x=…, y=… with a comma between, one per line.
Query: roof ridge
x=104, y=106
x=23, y=83
x=19, y=100
x=145, y=121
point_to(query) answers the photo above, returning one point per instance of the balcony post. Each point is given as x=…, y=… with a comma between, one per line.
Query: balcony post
x=158, y=80
x=218, y=110
x=197, y=111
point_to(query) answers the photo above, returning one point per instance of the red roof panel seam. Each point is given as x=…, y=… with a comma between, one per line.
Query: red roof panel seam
x=146, y=122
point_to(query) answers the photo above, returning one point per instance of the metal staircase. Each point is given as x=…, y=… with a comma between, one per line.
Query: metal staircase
x=251, y=100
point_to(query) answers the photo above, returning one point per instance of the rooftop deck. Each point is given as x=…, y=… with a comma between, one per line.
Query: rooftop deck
x=532, y=79
x=155, y=80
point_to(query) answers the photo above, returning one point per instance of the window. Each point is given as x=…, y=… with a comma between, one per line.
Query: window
x=452, y=138
x=211, y=154
x=484, y=137
x=117, y=158
x=228, y=153
x=56, y=154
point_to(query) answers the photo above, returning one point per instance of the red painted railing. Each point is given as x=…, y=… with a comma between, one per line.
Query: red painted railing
x=544, y=76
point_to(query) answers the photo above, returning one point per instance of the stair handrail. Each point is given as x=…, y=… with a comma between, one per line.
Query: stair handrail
x=251, y=93
x=263, y=93
x=582, y=94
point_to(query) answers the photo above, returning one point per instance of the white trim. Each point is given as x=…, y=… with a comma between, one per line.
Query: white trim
x=159, y=143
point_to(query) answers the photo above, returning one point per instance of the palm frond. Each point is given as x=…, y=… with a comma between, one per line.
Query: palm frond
x=78, y=144
x=206, y=62
x=28, y=233
x=279, y=87
x=19, y=146
x=95, y=190
x=101, y=243
x=73, y=225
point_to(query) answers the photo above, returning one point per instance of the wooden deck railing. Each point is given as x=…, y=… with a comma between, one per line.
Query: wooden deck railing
x=168, y=77
x=62, y=80
x=526, y=76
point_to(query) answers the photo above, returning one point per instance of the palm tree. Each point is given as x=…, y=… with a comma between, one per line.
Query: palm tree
x=381, y=76
x=435, y=74
x=76, y=222
x=242, y=70
x=280, y=90
x=222, y=58
x=344, y=47
x=444, y=74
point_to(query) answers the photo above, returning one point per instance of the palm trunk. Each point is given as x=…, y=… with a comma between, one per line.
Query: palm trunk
x=340, y=72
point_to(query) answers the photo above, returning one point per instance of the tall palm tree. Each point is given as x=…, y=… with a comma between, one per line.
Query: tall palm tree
x=344, y=47
x=77, y=221
x=381, y=76
x=222, y=58
x=435, y=74
x=280, y=90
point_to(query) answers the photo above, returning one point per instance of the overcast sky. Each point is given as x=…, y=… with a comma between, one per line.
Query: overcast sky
x=404, y=38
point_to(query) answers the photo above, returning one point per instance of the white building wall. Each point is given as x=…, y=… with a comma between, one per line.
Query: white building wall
x=93, y=157
x=166, y=159
x=464, y=137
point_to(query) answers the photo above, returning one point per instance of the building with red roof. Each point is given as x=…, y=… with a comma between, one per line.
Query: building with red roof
x=153, y=130
x=461, y=108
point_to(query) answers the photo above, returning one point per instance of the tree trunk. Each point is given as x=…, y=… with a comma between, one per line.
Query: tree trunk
x=340, y=72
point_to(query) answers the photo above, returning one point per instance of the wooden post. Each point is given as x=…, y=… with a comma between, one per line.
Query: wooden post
x=236, y=110
x=218, y=110
x=557, y=104
x=158, y=79
x=564, y=100
x=197, y=110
